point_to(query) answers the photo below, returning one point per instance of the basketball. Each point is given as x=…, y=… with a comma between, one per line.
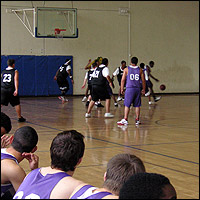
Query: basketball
x=162, y=87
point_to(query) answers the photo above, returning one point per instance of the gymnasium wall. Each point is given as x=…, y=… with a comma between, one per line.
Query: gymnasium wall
x=166, y=32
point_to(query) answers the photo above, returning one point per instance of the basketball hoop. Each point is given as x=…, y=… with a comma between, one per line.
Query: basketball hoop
x=57, y=33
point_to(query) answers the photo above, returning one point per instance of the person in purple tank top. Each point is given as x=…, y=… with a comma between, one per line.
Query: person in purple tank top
x=56, y=181
x=119, y=168
x=23, y=145
x=133, y=74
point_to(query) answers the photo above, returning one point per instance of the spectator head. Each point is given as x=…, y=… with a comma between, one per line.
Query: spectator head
x=119, y=169
x=134, y=60
x=5, y=124
x=25, y=140
x=67, y=150
x=10, y=62
x=147, y=186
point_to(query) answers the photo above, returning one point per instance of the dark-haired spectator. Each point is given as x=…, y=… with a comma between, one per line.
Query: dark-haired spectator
x=56, y=181
x=23, y=145
x=10, y=88
x=147, y=186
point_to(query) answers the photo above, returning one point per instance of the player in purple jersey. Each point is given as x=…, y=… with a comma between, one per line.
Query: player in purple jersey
x=56, y=181
x=119, y=169
x=12, y=174
x=132, y=75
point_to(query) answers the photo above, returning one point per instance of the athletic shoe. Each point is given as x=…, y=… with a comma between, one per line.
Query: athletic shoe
x=137, y=121
x=87, y=115
x=116, y=104
x=108, y=115
x=122, y=122
x=87, y=103
x=147, y=94
x=66, y=100
x=21, y=119
x=61, y=98
x=84, y=99
x=151, y=102
x=119, y=99
x=157, y=98
x=99, y=105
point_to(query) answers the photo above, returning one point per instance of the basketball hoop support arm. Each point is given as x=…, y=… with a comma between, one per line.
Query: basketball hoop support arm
x=24, y=19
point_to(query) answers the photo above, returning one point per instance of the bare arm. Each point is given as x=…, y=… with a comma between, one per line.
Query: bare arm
x=69, y=72
x=110, y=81
x=143, y=81
x=123, y=79
x=88, y=66
x=149, y=72
x=55, y=77
x=16, y=80
x=12, y=173
x=84, y=83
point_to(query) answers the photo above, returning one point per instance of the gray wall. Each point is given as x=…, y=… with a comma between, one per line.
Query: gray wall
x=166, y=32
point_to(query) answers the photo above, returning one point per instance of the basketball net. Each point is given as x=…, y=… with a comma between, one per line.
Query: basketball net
x=57, y=33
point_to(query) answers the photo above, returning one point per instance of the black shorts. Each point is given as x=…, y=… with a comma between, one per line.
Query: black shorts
x=8, y=97
x=99, y=92
x=90, y=89
x=63, y=85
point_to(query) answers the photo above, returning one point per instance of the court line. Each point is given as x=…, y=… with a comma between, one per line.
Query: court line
x=125, y=146
x=147, y=151
x=147, y=163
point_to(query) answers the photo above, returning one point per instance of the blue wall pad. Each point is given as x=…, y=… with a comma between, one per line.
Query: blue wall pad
x=36, y=74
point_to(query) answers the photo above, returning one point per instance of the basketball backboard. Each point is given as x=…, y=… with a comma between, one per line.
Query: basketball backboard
x=56, y=22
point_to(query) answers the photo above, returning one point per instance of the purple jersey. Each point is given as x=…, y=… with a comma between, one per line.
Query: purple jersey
x=133, y=77
x=37, y=186
x=86, y=192
x=7, y=189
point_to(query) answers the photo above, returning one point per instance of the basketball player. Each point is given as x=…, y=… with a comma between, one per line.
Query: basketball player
x=147, y=92
x=147, y=73
x=148, y=186
x=119, y=169
x=99, y=78
x=88, y=79
x=56, y=181
x=132, y=75
x=61, y=77
x=119, y=72
x=90, y=66
x=23, y=145
x=10, y=88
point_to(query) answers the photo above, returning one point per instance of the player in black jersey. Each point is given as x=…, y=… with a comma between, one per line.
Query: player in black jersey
x=9, y=88
x=119, y=72
x=88, y=79
x=99, y=78
x=61, y=77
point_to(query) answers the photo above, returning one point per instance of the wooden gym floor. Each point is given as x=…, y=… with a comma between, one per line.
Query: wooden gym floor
x=167, y=140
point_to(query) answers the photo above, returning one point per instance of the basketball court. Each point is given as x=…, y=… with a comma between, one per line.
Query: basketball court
x=167, y=140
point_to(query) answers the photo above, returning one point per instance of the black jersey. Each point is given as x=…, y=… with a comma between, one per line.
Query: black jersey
x=89, y=76
x=98, y=78
x=7, y=79
x=62, y=72
x=119, y=76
